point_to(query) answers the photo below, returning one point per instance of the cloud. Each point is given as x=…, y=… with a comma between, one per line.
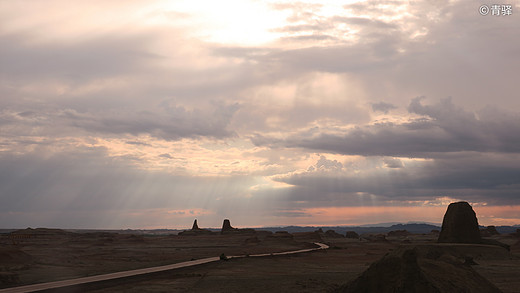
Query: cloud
x=88, y=59
x=442, y=128
x=324, y=164
x=484, y=178
x=417, y=52
x=168, y=122
x=166, y=156
x=392, y=163
x=383, y=107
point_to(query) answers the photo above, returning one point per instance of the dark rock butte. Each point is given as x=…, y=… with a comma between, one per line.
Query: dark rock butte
x=460, y=224
x=226, y=226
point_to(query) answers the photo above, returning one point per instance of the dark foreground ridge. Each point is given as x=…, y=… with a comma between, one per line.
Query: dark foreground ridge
x=426, y=269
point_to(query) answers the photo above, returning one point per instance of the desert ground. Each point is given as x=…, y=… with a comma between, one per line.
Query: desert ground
x=46, y=255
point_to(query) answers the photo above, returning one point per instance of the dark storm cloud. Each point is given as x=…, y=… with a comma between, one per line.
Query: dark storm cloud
x=139, y=143
x=471, y=176
x=443, y=128
x=383, y=107
x=168, y=122
x=173, y=123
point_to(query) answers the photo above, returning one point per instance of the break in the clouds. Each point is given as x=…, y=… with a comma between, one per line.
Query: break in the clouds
x=151, y=113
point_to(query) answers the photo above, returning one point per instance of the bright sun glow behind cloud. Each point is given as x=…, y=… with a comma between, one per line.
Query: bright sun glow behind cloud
x=231, y=21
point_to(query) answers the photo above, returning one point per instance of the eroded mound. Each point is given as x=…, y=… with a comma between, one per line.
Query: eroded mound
x=429, y=269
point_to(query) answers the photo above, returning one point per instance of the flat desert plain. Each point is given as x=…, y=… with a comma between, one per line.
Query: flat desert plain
x=50, y=255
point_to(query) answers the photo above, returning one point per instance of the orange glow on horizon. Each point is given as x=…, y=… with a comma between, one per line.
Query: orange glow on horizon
x=351, y=216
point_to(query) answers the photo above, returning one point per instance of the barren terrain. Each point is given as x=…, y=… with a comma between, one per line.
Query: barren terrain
x=50, y=255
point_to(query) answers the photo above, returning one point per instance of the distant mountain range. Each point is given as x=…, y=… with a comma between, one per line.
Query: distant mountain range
x=412, y=228
x=418, y=228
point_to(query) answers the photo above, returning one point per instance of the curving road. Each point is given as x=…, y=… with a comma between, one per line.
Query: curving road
x=118, y=275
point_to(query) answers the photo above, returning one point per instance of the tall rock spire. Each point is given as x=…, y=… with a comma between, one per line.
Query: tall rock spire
x=195, y=226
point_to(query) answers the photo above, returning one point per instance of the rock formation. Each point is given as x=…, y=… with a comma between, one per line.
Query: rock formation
x=374, y=237
x=281, y=235
x=195, y=230
x=352, y=234
x=195, y=226
x=226, y=226
x=333, y=234
x=488, y=231
x=460, y=224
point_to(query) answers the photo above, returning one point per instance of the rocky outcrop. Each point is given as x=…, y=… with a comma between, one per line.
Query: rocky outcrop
x=226, y=226
x=489, y=231
x=195, y=225
x=374, y=237
x=352, y=235
x=195, y=230
x=227, y=229
x=333, y=234
x=460, y=224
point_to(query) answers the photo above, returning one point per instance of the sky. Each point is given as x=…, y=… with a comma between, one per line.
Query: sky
x=150, y=114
